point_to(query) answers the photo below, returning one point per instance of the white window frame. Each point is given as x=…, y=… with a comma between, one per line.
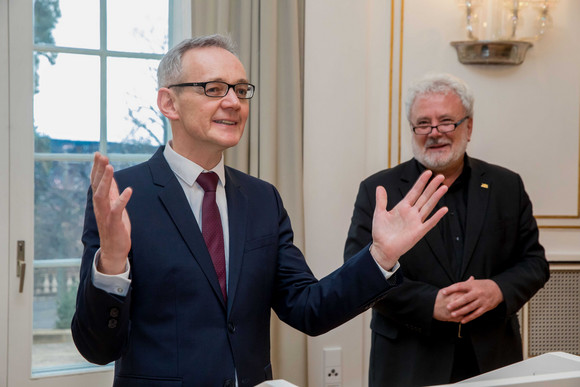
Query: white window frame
x=16, y=190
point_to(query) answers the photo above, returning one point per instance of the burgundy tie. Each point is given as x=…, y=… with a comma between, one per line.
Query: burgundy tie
x=211, y=226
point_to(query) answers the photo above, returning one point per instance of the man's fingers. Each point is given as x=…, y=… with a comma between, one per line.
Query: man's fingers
x=381, y=198
x=418, y=188
x=125, y=196
x=469, y=310
x=95, y=166
x=432, y=201
x=432, y=221
x=429, y=191
x=119, y=204
x=102, y=194
x=456, y=287
x=100, y=162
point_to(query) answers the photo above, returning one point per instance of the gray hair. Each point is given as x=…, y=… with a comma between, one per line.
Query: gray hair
x=169, y=70
x=440, y=84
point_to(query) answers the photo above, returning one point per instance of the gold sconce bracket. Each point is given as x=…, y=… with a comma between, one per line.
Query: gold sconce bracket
x=499, y=52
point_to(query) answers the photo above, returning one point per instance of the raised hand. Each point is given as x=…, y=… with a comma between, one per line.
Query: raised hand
x=396, y=231
x=112, y=218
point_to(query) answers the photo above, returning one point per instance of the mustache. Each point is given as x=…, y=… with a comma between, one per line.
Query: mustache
x=435, y=141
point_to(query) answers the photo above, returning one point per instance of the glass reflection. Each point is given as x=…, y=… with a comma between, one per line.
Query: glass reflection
x=133, y=118
x=137, y=26
x=67, y=103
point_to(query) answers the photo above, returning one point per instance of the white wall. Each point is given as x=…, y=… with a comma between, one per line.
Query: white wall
x=526, y=118
x=346, y=92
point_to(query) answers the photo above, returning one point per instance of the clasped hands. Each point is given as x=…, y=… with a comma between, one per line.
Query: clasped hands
x=465, y=301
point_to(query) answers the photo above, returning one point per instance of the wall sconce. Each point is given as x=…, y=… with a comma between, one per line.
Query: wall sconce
x=502, y=31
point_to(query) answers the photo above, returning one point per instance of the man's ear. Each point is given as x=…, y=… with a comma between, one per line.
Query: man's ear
x=469, y=128
x=167, y=104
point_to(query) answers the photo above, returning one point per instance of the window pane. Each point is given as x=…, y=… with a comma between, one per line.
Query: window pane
x=132, y=115
x=60, y=190
x=60, y=196
x=75, y=23
x=67, y=103
x=55, y=285
x=70, y=116
x=137, y=25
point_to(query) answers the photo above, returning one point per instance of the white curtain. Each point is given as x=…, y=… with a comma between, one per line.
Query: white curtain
x=269, y=36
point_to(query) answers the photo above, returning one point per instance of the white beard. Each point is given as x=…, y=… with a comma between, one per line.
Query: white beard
x=439, y=162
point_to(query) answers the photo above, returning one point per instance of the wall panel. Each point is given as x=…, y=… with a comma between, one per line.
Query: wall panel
x=360, y=57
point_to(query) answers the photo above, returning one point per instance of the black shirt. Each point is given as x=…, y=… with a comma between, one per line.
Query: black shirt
x=452, y=225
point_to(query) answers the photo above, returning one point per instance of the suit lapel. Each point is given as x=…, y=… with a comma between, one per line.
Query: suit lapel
x=477, y=201
x=237, y=215
x=173, y=198
x=433, y=237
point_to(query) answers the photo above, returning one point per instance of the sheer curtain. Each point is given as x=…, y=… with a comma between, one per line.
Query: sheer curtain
x=269, y=35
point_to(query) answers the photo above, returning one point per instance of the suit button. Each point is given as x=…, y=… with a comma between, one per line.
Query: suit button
x=229, y=383
x=231, y=327
x=112, y=323
x=114, y=312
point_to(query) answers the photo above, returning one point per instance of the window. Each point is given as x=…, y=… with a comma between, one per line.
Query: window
x=95, y=64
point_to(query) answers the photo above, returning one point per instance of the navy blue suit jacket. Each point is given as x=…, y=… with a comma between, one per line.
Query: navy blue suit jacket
x=173, y=328
x=409, y=347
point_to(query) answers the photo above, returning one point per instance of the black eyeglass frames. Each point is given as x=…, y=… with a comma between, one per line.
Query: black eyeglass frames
x=218, y=89
x=445, y=127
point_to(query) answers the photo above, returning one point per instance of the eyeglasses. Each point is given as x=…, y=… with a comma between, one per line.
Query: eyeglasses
x=445, y=127
x=219, y=89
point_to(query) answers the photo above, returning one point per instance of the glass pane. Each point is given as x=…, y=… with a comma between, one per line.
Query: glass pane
x=55, y=285
x=134, y=123
x=67, y=23
x=118, y=165
x=66, y=105
x=60, y=195
x=138, y=25
x=60, y=190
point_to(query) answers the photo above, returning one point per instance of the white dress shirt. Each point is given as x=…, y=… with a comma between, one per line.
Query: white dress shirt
x=186, y=172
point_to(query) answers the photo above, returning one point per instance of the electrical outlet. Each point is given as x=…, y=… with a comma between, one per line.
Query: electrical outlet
x=332, y=376
x=332, y=367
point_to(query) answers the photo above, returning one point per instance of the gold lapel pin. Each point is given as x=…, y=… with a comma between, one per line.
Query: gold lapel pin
x=484, y=185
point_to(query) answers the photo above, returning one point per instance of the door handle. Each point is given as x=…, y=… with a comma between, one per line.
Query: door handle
x=21, y=265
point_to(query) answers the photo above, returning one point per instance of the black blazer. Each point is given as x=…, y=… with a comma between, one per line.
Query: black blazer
x=409, y=347
x=173, y=328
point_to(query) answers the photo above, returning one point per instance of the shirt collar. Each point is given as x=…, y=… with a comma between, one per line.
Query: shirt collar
x=187, y=170
x=461, y=179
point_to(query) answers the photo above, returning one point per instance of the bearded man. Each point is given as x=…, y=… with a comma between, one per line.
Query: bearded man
x=455, y=315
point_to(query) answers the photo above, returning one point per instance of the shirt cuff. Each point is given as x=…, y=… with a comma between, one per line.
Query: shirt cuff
x=115, y=284
x=386, y=273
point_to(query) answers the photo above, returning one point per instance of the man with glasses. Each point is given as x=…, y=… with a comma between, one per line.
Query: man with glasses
x=184, y=257
x=454, y=315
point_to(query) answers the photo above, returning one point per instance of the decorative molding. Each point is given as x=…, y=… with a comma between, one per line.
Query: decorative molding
x=392, y=48
x=562, y=217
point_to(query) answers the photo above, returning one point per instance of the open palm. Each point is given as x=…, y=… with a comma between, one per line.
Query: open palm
x=111, y=216
x=395, y=232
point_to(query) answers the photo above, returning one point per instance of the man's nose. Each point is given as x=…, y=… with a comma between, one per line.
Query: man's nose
x=231, y=97
x=435, y=132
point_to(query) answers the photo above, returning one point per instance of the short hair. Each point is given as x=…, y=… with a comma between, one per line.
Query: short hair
x=440, y=84
x=169, y=70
